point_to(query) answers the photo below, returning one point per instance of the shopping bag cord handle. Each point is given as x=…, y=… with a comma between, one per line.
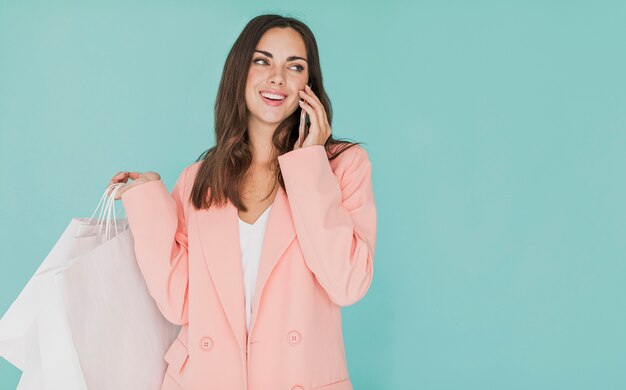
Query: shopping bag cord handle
x=108, y=209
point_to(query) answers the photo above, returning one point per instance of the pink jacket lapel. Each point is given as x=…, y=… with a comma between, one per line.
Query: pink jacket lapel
x=219, y=235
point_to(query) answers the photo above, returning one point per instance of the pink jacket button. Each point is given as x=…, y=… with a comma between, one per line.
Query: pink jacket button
x=206, y=343
x=293, y=337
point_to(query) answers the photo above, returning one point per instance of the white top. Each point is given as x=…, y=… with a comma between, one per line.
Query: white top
x=251, y=242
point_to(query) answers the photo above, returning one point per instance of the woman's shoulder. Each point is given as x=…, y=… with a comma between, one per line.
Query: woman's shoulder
x=188, y=174
x=193, y=167
x=354, y=154
x=349, y=151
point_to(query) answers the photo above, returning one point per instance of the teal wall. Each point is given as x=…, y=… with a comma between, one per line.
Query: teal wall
x=497, y=134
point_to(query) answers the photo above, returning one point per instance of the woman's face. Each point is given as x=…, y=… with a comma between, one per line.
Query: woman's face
x=279, y=65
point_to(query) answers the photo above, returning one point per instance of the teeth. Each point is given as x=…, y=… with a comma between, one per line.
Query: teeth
x=272, y=96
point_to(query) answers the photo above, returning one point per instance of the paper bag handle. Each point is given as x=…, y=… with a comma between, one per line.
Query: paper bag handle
x=108, y=209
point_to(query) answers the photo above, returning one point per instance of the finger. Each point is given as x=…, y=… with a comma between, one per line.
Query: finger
x=324, y=126
x=134, y=175
x=318, y=107
x=319, y=111
x=298, y=143
x=120, y=177
x=310, y=92
x=311, y=99
x=115, y=180
x=302, y=125
x=314, y=128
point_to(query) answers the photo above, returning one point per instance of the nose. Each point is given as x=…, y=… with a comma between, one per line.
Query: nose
x=277, y=78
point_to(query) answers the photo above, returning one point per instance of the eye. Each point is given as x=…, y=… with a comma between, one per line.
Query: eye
x=300, y=68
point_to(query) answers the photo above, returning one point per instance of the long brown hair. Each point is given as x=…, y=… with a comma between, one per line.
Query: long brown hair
x=224, y=165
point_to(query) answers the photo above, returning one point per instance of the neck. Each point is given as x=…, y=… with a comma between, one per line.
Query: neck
x=261, y=145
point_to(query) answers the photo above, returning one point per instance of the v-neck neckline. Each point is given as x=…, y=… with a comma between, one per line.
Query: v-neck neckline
x=258, y=219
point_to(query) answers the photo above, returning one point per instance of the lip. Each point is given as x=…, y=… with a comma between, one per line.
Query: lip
x=270, y=102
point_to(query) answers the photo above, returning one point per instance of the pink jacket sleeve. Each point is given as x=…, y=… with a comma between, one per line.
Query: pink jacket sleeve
x=335, y=219
x=158, y=224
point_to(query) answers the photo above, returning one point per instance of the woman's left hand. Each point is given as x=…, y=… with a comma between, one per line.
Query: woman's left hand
x=319, y=129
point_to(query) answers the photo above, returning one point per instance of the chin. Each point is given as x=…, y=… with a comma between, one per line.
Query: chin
x=275, y=118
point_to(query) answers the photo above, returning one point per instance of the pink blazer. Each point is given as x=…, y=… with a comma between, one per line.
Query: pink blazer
x=317, y=256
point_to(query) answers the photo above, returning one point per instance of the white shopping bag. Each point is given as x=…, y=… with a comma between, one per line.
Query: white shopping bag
x=85, y=320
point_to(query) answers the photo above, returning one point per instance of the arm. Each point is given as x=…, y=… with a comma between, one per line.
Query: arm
x=157, y=221
x=335, y=220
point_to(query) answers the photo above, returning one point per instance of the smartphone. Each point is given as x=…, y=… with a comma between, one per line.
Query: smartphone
x=305, y=123
x=307, y=119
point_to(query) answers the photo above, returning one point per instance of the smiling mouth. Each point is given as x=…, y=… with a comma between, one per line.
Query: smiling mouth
x=280, y=96
x=272, y=102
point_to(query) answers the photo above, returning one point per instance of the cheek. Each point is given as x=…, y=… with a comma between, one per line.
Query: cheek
x=251, y=86
x=250, y=81
x=254, y=76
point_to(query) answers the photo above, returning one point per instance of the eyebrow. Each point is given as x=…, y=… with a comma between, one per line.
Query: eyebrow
x=290, y=58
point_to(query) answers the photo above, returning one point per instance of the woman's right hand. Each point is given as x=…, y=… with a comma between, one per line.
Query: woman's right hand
x=136, y=177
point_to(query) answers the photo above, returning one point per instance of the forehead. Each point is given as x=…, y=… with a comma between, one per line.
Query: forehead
x=282, y=42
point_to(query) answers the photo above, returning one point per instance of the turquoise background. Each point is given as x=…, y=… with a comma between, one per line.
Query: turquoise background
x=496, y=132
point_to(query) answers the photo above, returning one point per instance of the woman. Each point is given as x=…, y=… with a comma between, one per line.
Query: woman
x=267, y=235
